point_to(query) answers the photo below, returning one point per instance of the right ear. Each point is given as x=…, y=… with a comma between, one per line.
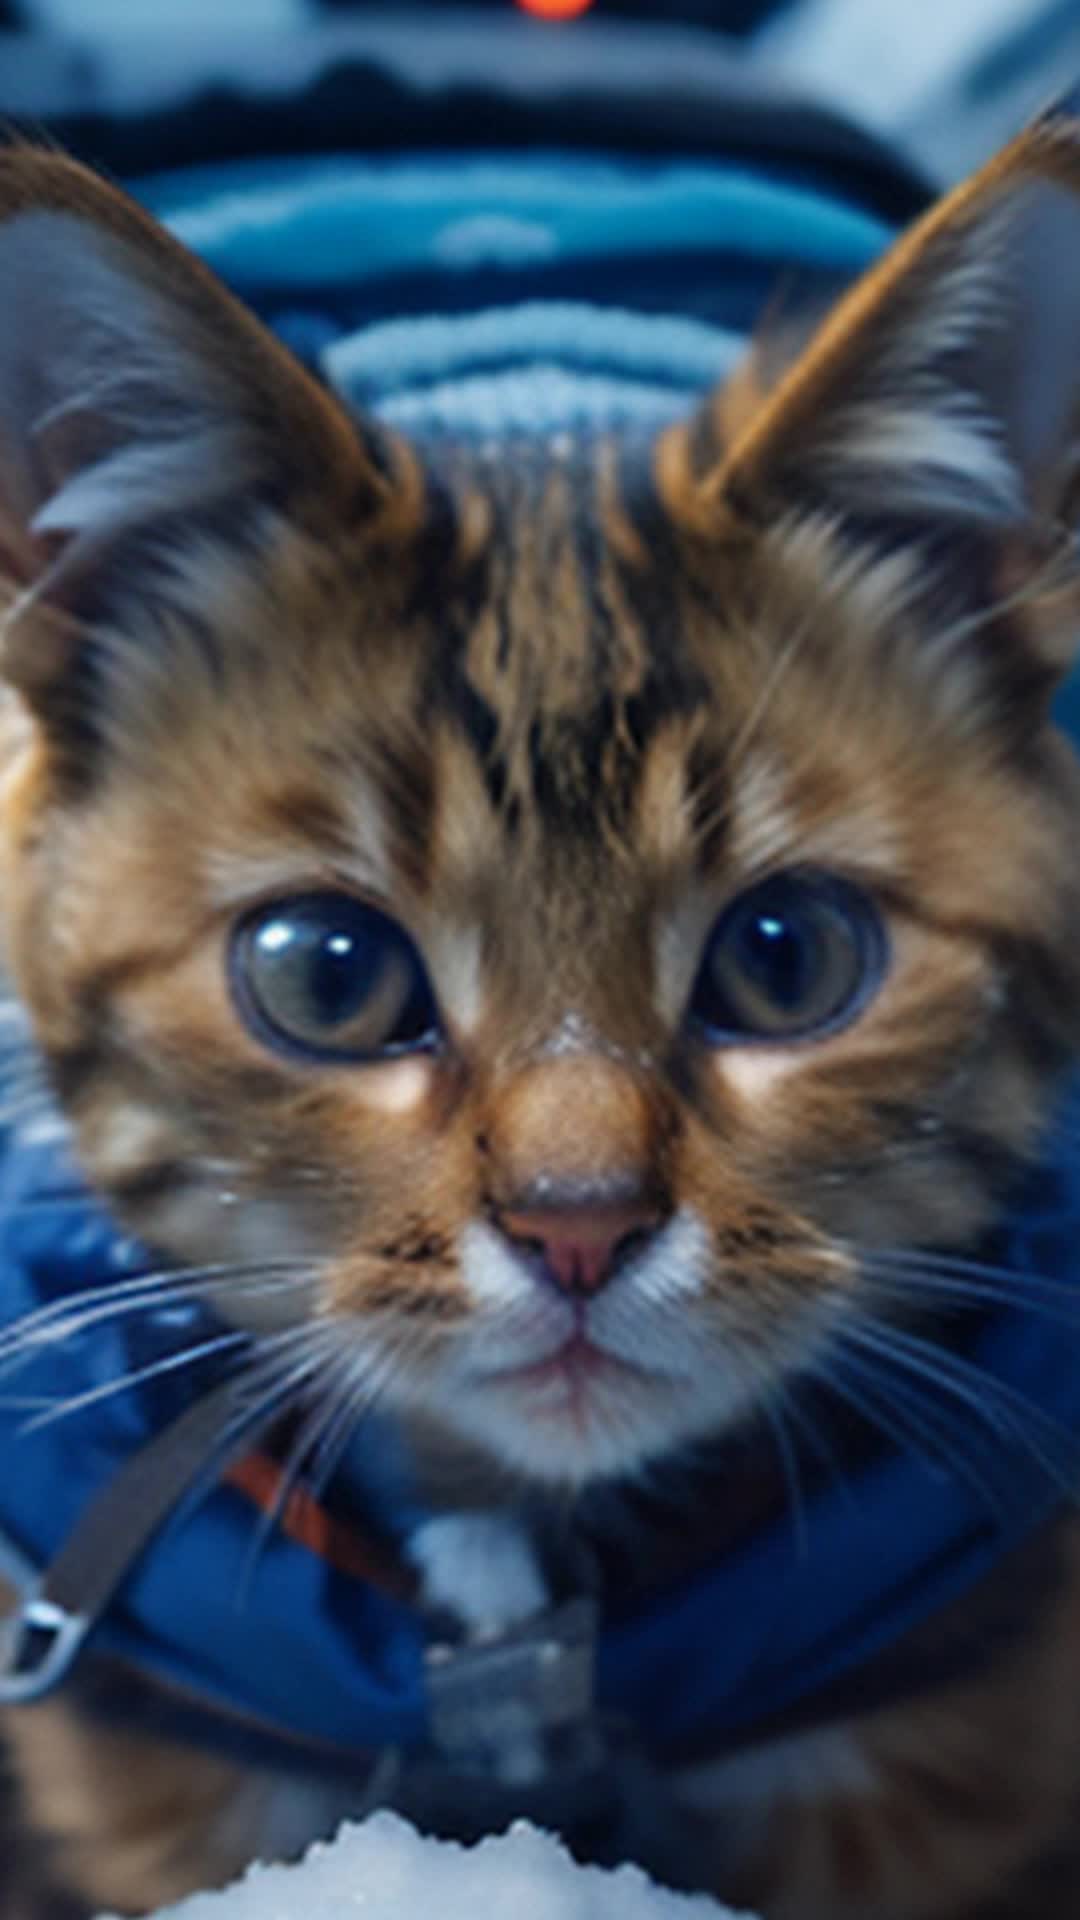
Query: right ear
x=134, y=389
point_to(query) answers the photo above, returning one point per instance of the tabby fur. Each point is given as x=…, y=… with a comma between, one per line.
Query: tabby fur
x=553, y=705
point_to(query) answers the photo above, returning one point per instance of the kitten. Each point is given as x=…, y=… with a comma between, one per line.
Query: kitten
x=592, y=910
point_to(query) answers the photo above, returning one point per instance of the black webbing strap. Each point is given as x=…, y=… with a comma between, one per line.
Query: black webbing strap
x=58, y=1608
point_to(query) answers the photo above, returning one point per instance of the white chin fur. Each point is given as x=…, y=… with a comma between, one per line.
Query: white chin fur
x=663, y=1377
x=557, y=1438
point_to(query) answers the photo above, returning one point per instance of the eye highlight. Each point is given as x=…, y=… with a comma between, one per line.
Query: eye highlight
x=328, y=977
x=799, y=954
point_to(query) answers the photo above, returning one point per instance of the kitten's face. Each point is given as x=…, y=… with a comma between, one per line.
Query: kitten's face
x=570, y=937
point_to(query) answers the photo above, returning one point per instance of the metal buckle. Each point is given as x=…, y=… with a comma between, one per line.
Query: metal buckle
x=38, y=1645
x=519, y=1710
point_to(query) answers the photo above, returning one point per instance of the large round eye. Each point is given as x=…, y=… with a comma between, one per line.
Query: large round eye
x=797, y=954
x=329, y=977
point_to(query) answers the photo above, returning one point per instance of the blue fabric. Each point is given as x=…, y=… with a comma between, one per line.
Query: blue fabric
x=313, y=245
x=312, y=1652
x=320, y=1656
x=530, y=368
x=318, y=223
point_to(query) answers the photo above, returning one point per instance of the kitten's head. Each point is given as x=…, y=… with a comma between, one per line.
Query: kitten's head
x=560, y=913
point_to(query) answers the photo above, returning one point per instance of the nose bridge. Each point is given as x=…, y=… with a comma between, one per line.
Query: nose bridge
x=570, y=1130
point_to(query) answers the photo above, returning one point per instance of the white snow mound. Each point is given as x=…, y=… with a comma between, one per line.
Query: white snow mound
x=385, y=1870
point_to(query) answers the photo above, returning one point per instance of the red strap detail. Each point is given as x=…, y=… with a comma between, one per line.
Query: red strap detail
x=258, y=1478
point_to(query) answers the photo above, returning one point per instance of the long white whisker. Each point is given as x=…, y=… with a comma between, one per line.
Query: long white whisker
x=73, y=1314
x=1057, y=570
x=913, y=1424
x=961, y=1265
x=354, y=1402
x=755, y=719
x=1023, y=1292
x=993, y=1403
x=280, y=1369
x=992, y=1400
x=319, y=1421
x=774, y=1408
x=366, y=1377
x=138, y=1376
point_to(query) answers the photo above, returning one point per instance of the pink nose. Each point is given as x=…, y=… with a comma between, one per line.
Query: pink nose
x=581, y=1245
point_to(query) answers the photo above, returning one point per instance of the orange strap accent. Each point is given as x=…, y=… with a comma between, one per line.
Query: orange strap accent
x=258, y=1478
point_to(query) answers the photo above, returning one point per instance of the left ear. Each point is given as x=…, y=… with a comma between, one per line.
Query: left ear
x=941, y=397
x=139, y=400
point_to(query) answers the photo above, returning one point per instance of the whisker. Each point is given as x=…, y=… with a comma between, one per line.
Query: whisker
x=281, y=1367
x=969, y=1284
x=313, y=1430
x=138, y=1376
x=1057, y=571
x=912, y=1423
x=61, y=1319
x=794, y=1434
x=774, y=1407
x=366, y=1381
x=755, y=719
x=934, y=1366
x=812, y=1434
x=996, y=1405
x=946, y=1262
x=915, y=1286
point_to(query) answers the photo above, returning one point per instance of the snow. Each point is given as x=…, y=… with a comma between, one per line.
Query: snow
x=384, y=1870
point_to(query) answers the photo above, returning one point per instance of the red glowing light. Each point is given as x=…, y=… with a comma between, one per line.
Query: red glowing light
x=555, y=9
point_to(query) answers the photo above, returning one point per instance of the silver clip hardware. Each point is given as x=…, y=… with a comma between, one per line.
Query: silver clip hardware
x=519, y=1709
x=39, y=1638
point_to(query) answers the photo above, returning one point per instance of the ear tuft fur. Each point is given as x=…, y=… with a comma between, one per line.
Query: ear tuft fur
x=943, y=391
x=109, y=416
x=134, y=389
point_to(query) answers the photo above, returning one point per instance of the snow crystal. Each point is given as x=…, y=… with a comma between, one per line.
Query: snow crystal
x=384, y=1870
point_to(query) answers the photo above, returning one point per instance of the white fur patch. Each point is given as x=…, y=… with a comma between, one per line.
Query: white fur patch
x=755, y=1073
x=129, y=1138
x=394, y=1085
x=480, y=1567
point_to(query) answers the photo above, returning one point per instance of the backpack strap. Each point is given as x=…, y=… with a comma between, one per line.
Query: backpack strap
x=57, y=1609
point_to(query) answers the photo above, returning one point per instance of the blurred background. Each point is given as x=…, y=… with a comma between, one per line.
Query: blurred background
x=945, y=80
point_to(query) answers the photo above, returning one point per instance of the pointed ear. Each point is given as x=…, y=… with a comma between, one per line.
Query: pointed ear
x=133, y=390
x=942, y=396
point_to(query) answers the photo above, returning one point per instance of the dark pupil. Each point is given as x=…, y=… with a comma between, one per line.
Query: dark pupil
x=783, y=959
x=331, y=967
x=339, y=975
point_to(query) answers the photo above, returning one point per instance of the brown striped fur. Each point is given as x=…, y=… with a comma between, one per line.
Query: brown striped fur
x=554, y=708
